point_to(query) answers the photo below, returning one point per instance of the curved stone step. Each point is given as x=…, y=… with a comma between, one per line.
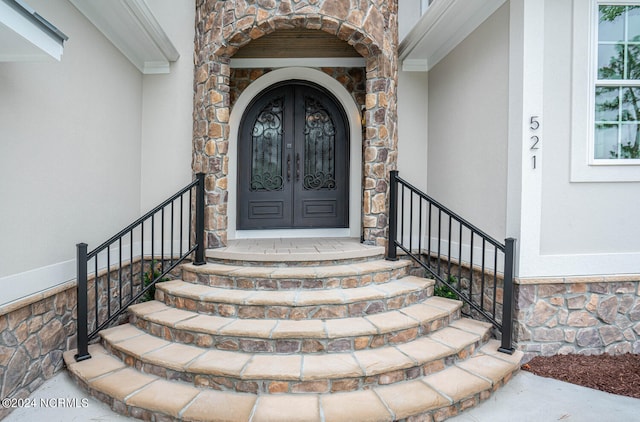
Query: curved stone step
x=295, y=304
x=433, y=397
x=298, y=372
x=295, y=277
x=286, y=336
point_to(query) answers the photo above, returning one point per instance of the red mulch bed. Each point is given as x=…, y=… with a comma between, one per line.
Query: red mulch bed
x=613, y=374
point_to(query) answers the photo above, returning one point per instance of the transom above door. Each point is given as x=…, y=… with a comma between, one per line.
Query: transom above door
x=293, y=160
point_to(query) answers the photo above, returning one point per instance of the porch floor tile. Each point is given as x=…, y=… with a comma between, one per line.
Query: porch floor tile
x=283, y=249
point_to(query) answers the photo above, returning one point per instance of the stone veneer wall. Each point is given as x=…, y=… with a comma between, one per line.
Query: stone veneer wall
x=34, y=333
x=36, y=330
x=224, y=26
x=590, y=315
x=586, y=315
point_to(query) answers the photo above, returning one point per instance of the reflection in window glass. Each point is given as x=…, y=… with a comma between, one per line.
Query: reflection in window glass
x=606, y=140
x=607, y=102
x=617, y=91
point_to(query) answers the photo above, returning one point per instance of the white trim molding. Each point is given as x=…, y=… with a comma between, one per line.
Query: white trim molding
x=524, y=181
x=444, y=25
x=18, y=286
x=133, y=29
x=297, y=62
x=27, y=36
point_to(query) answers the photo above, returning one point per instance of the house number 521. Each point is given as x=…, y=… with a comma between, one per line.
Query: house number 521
x=534, y=146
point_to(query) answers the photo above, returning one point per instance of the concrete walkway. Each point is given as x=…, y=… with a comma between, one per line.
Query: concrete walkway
x=526, y=398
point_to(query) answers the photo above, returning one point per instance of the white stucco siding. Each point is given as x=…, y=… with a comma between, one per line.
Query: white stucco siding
x=409, y=13
x=167, y=109
x=69, y=153
x=577, y=217
x=467, y=132
x=412, y=127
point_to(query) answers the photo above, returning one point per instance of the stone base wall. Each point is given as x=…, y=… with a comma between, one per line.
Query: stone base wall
x=585, y=316
x=35, y=331
x=485, y=288
x=33, y=335
x=109, y=290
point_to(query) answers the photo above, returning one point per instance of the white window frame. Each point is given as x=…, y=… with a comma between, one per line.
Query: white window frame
x=584, y=166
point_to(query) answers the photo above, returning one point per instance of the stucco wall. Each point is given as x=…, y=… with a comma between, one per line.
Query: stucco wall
x=91, y=140
x=408, y=16
x=69, y=155
x=468, y=94
x=587, y=217
x=412, y=127
x=167, y=109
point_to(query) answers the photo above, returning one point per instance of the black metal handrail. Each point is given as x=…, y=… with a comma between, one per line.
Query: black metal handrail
x=105, y=312
x=416, y=227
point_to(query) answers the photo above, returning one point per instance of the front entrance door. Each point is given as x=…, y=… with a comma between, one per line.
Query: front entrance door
x=293, y=152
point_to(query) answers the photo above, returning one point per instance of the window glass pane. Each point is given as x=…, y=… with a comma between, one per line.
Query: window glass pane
x=607, y=104
x=611, y=26
x=633, y=61
x=633, y=23
x=630, y=104
x=629, y=147
x=606, y=141
x=617, y=108
x=610, y=61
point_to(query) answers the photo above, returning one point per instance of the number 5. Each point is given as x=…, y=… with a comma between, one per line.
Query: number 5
x=535, y=124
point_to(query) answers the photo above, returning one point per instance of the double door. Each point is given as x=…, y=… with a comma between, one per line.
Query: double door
x=293, y=158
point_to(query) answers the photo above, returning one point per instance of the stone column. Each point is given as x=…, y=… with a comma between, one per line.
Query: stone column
x=381, y=135
x=224, y=26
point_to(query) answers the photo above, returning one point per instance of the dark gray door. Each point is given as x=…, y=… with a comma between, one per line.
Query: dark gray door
x=293, y=160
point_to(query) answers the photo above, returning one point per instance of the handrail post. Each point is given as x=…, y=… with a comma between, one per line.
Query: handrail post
x=507, y=302
x=199, y=259
x=82, y=310
x=392, y=248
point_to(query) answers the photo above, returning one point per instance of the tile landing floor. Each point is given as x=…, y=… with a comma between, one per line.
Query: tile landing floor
x=282, y=249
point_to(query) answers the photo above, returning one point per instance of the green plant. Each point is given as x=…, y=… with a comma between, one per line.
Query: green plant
x=442, y=290
x=147, y=279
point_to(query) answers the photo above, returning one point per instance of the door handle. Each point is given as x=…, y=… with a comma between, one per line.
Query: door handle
x=297, y=167
x=288, y=167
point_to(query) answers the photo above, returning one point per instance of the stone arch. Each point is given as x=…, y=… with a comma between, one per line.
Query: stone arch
x=251, y=30
x=224, y=26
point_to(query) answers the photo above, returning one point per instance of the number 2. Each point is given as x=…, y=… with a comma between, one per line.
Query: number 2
x=535, y=141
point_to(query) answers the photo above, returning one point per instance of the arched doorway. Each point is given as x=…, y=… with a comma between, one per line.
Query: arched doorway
x=293, y=160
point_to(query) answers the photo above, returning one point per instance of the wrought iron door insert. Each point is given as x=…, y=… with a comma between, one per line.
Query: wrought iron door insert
x=293, y=160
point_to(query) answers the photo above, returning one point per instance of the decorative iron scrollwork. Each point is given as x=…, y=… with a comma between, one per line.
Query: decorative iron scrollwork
x=319, y=181
x=319, y=148
x=266, y=148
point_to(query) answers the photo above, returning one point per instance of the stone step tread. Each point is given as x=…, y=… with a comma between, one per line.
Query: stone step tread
x=481, y=374
x=298, y=272
x=376, y=324
x=294, y=298
x=297, y=366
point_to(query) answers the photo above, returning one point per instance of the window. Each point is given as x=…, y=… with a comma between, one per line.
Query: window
x=605, y=84
x=616, y=137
